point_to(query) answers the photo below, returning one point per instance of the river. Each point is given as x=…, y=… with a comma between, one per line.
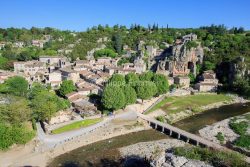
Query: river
x=194, y=123
x=105, y=153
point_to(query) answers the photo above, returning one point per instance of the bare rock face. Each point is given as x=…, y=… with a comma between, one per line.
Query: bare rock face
x=193, y=163
x=179, y=161
x=210, y=132
x=182, y=60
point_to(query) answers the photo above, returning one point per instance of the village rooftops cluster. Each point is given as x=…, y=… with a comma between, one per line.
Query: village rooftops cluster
x=89, y=76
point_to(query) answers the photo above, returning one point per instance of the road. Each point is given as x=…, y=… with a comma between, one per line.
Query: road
x=51, y=141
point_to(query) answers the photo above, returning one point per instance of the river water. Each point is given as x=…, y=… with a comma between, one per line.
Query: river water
x=105, y=153
x=195, y=123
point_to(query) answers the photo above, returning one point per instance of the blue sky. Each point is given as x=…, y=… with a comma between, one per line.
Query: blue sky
x=79, y=14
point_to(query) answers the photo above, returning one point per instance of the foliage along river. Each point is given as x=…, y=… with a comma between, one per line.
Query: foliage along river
x=105, y=153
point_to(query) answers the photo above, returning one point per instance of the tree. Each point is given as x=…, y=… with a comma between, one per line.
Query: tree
x=105, y=53
x=117, y=79
x=46, y=104
x=118, y=43
x=207, y=65
x=131, y=79
x=17, y=111
x=66, y=87
x=147, y=76
x=192, y=78
x=130, y=95
x=35, y=89
x=113, y=97
x=17, y=86
x=146, y=90
x=11, y=134
x=161, y=83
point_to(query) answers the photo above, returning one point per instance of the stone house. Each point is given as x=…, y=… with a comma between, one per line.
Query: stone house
x=19, y=44
x=4, y=75
x=54, y=79
x=85, y=107
x=84, y=91
x=2, y=45
x=70, y=74
x=208, y=82
x=183, y=81
x=86, y=75
x=37, y=43
x=74, y=96
x=55, y=61
x=29, y=67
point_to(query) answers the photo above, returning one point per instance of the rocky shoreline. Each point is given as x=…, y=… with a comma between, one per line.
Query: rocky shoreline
x=210, y=132
x=155, y=153
x=173, y=118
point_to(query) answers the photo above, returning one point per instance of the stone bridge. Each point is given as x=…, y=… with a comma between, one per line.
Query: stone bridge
x=180, y=134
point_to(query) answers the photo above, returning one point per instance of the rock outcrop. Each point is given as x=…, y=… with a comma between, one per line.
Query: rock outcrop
x=182, y=60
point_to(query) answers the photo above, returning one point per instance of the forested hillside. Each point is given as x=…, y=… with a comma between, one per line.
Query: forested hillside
x=222, y=46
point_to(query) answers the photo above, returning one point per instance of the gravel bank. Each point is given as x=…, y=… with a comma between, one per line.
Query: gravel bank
x=155, y=152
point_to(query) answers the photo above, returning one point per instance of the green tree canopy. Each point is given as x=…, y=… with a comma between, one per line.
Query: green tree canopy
x=16, y=85
x=130, y=95
x=16, y=111
x=146, y=76
x=35, y=89
x=113, y=97
x=66, y=87
x=11, y=134
x=131, y=78
x=117, y=38
x=146, y=89
x=46, y=104
x=105, y=53
x=161, y=83
x=117, y=79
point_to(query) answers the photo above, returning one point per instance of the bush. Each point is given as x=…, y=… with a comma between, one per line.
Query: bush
x=14, y=135
x=105, y=53
x=238, y=127
x=220, y=137
x=216, y=158
x=160, y=118
x=243, y=141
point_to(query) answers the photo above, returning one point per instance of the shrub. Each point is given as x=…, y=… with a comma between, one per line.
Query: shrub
x=160, y=118
x=238, y=127
x=220, y=137
x=216, y=158
x=243, y=141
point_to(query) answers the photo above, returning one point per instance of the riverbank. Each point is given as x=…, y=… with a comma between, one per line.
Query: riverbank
x=226, y=133
x=25, y=155
x=155, y=152
x=173, y=117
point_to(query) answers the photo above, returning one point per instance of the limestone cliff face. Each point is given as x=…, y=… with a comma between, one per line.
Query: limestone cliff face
x=182, y=60
x=236, y=68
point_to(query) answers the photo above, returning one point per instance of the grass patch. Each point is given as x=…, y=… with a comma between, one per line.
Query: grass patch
x=76, y=125
x=220, y=137
x=216, y=158
x=160, y=118
x=238, y=127
x=158, y=105
x=191, y=102
x=241, y=129
x=243, y=141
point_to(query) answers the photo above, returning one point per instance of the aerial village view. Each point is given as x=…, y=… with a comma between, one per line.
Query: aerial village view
x=124, y=83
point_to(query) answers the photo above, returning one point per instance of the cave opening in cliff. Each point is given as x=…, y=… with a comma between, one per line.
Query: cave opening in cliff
x=191, y=66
